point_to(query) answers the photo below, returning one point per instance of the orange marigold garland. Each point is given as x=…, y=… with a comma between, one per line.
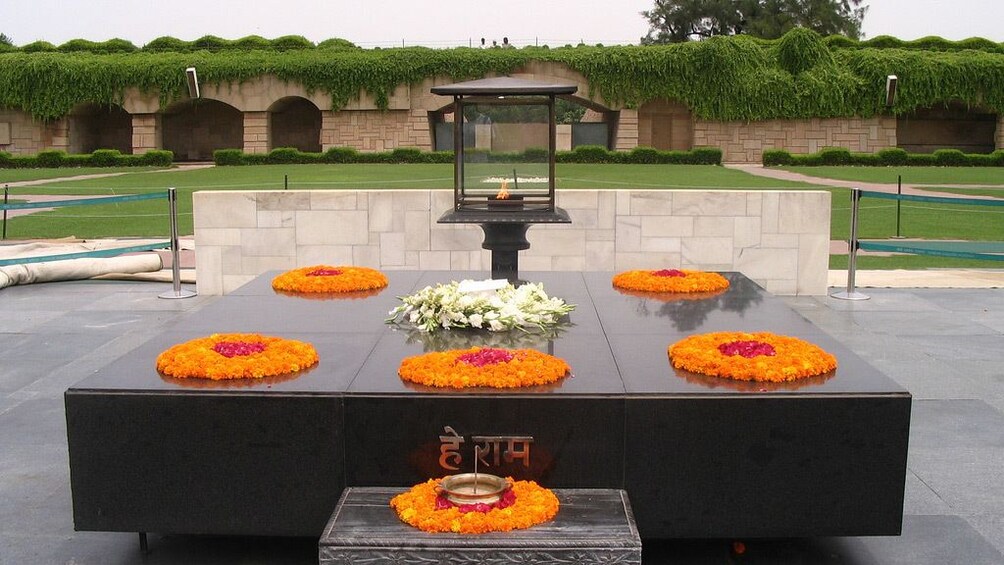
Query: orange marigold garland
x=483, y=367
x=328, y=279
x=417, y=507
x=760, y=356
x=236, y=356
x=671, y=280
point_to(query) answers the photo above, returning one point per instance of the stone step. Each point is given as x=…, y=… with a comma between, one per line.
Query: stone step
x=592, y=526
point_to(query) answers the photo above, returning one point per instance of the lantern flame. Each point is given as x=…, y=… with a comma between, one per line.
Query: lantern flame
x=503, y=193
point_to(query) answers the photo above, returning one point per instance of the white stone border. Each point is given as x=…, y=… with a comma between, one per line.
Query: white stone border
x=780, y=239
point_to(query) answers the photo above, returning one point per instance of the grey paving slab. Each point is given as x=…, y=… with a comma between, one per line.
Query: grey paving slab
x=921, y=500
x=19, y=321
x=979, y=346
x=922, y=323
x=968, y=479
x=932, y=539
x=955, y=423
x=991, y=526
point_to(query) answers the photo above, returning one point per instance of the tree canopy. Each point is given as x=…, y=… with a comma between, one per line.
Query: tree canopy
x=674, y=21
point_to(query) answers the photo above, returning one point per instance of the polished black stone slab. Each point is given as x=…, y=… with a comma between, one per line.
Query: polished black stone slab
x=592, y=526
x=700, y=457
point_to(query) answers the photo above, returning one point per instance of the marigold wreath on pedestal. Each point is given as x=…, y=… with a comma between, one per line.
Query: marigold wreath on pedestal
x=483, y=367
x=760, y=356
x=329, y=279
x=670, y=280
x=236, y=356
x=424, y=508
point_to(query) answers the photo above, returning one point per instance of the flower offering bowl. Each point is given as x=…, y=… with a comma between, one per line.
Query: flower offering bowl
x=473, y=488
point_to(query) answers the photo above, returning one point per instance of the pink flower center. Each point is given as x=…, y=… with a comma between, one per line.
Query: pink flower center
x=324, y=273
x=486, y=356
x=669, y=273
x=748, y=349
x=507, y=500
x=238, y=348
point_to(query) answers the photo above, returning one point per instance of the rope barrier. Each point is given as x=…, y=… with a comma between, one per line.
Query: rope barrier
x=96, y=254
x=172, y=198
x=82, y=201
x=935, y=199
x=980, y=250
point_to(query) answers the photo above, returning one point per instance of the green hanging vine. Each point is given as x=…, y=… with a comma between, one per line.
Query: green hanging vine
x=800, y=75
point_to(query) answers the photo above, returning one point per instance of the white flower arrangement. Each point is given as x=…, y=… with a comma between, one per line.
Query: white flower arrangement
x=491, y=305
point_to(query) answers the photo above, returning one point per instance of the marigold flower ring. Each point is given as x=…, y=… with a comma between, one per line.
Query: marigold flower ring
x=760, y=356
x=423, y=507
x=328, y=279
x=483, y=367
x=236, y=356
x=671, y=280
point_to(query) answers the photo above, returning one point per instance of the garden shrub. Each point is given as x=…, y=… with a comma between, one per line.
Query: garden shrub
x=228, y=157
x=406, y=155
x=951, y=158
x=643, y=154
x=50, y=159
x=155, y=158
x=706, y=156
x=535, y=155
x=777, y=158
x=835, y=156
x=340, y=155
x=893, y=156
x=105, y=158
x=284, y=156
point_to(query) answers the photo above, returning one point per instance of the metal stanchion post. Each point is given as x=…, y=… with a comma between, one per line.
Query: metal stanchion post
x=899, y=192
x=6, y=193
x=177, y=291
x=852, y=252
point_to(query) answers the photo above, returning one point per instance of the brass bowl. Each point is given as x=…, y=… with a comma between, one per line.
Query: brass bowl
x=462, y=489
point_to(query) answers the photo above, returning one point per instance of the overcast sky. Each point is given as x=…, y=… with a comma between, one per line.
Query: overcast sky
x=432, y=23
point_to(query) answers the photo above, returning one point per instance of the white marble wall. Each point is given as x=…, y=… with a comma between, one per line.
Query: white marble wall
x=780, y=239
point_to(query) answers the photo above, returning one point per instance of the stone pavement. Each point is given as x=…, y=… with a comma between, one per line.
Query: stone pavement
x=943, y=345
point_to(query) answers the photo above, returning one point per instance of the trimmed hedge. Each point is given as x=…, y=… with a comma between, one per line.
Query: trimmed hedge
x=581, y=154
x=885, y=158
x=100, y=158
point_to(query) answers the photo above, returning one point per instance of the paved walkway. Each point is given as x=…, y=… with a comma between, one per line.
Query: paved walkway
x=944, y=346
x=915, y=189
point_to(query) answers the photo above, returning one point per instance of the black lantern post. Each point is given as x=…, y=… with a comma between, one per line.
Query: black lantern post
x=504, y=143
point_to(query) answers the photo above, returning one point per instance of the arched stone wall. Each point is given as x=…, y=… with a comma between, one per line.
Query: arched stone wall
x=91, y=127
x=295, y=122
x=193, y=129
x=949, y=126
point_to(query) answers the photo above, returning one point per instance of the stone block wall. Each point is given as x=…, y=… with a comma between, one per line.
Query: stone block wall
x=256, y=132
x=28, y=136
x=780, y=239
x=146, y=133
x=375, y=130
x=745, y=142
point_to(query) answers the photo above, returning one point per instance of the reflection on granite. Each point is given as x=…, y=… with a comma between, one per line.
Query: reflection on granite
x=233, y=384
x=751, y=386
x=355, y=295
x=445, y=340
x=688, y=311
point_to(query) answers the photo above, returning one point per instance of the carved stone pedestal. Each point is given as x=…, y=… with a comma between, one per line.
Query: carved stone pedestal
x=592, y=526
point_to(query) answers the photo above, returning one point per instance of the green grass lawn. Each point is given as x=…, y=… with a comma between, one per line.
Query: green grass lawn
x=149, y=218
x=911, y=175
x=18, y=175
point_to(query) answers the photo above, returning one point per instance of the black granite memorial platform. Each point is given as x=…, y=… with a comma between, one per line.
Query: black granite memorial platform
x=699, y=457
x=593, y=526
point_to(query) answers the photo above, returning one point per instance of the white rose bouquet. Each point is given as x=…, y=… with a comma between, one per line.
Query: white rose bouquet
x=504, y=307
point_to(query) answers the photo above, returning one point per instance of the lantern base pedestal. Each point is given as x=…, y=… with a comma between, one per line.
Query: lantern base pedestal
x=505, y=233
